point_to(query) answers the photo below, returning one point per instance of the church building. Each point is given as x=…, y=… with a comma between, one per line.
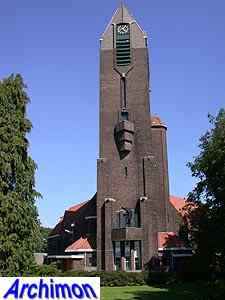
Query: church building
x=132, y=218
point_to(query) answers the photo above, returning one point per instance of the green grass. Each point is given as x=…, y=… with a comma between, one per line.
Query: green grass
x=178, y=292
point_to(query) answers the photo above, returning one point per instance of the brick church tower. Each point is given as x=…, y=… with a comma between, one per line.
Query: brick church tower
x=130, y=218
x=132, y=179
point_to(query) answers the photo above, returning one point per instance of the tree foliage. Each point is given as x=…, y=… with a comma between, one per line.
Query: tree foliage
x=207, y=221
x=19, y=224
x=42, y=247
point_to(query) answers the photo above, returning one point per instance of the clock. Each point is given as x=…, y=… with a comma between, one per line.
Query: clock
x=123, y=29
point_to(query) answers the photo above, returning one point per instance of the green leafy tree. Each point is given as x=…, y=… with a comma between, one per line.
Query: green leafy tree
x=42, y=247
x=207, y=220
x=19, y=224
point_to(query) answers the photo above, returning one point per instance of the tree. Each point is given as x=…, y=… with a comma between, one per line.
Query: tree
x=207, y=220
x=19, y=224
x=43, y=246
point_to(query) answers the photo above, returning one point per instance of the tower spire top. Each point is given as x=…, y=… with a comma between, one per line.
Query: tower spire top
x=122, y=8
x=123, y=16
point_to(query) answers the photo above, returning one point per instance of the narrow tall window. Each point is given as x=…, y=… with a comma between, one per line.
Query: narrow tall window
x=126, y=172
x=123, y=92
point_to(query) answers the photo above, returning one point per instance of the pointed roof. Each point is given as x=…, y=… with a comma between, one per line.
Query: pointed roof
x=81, y=245
x=76, y=207
x=121, y=15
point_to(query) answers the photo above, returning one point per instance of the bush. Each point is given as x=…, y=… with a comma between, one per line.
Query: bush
x=194, y=269
x=44, y=271
x=216, y=290
x=122, y=279
x=112, y=278
x=108, y=279
x=158, y=278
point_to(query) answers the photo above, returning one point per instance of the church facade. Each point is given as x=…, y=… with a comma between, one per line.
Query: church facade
x=132, y=215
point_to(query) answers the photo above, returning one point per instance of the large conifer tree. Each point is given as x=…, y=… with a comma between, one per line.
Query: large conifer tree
x=19, y=225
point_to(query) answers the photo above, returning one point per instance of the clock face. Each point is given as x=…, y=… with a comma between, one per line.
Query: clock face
x=123, y=29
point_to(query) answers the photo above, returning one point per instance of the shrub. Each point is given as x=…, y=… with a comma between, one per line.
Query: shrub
x=112, y=278
x=194, y=269
x=217, y=290
x=108, y=279
x=43, y=271
x=159, y=278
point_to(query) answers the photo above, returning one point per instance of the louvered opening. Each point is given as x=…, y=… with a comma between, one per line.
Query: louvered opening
x=123, y=56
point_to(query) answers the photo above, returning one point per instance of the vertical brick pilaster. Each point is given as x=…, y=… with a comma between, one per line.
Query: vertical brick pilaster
x=109, y=262
x=103, y=190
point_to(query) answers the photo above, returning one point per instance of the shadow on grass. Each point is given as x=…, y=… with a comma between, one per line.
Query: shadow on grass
x=170, y=293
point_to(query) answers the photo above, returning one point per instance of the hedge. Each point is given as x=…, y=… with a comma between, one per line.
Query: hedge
x=113, y=278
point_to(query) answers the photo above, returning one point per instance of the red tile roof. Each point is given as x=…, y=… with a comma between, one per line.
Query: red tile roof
x=58, y=229
x=178, y=203
x=169, y=240
x=71, y=213
x=74, y=208
x=79, y=245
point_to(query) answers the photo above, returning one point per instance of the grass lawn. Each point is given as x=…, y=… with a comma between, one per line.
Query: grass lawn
x=178, y=292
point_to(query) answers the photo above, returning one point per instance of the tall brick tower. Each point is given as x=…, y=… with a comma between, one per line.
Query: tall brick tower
x=132, y=180
x=132, y=218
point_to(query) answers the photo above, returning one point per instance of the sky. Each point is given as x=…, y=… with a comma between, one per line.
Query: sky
x=54, y=45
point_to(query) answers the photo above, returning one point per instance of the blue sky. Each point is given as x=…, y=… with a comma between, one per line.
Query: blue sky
x=55, y=46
